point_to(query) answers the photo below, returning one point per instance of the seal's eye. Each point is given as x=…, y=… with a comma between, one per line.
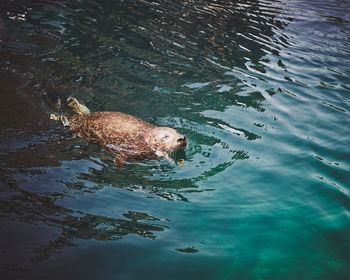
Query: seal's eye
x=165, y=137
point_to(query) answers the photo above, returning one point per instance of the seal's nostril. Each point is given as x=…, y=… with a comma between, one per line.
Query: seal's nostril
x=181, y=139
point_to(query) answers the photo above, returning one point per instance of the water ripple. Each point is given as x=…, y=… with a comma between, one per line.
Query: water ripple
x=260, y=88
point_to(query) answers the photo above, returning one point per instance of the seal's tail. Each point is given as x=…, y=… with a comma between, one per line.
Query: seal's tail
x=73, y=103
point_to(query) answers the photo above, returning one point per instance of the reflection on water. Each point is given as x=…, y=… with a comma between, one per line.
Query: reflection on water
x=261, y=90
x=41, y=209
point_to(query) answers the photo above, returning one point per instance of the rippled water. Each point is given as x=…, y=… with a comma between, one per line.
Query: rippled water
x=260, y=88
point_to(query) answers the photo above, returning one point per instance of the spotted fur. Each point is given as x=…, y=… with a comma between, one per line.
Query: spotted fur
x=130, y=138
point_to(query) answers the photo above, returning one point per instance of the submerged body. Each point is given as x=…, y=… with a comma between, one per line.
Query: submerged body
x=130, y=138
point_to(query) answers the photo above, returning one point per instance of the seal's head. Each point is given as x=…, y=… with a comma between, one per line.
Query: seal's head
x=165, y=140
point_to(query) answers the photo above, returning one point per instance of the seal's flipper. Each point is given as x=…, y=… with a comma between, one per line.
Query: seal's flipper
x=62, y=118
x=80, y=109
x=65, y=111
x=119, y=160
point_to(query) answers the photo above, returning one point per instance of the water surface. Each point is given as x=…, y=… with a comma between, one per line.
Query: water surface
x=260, y=88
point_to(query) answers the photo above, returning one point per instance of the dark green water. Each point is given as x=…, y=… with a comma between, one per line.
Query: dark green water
x=260, y=88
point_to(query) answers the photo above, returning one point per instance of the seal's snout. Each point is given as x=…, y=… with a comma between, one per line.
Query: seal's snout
x=182, y=141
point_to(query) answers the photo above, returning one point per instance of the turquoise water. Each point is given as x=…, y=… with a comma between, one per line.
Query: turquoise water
x=260, y=88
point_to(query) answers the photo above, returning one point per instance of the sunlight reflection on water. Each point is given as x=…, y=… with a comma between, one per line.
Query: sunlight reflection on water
x=260, y=88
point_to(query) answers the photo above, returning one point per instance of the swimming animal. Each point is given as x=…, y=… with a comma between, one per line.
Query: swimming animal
x=128, y=137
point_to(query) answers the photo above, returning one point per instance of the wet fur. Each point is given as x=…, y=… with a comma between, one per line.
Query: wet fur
x=125, y=135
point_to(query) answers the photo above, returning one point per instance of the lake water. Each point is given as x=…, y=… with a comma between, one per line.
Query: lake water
x=260, y=88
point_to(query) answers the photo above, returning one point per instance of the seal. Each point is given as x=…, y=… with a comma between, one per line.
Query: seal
x=128, y=137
